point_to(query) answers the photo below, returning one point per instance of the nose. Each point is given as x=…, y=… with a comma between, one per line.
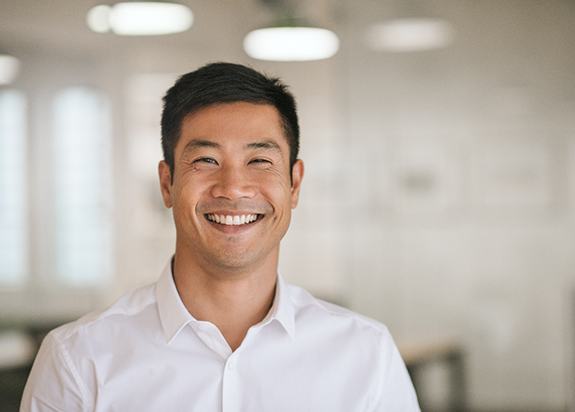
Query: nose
x=232, y=183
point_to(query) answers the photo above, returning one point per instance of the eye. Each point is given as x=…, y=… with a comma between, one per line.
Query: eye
x=260, y=161
x=207, y=160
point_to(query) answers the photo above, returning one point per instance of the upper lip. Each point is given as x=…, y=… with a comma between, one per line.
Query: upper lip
x=232, y=213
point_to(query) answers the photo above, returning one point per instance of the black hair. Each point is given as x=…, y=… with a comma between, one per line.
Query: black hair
x=218, y=83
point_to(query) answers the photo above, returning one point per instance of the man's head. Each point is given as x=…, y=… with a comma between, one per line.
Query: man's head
x=231, y=173
x=218, y=83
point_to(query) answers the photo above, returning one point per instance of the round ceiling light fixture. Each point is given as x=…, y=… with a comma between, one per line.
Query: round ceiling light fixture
x=140, y=18
x=291, y=43
x=9, y=68
x=410, y=34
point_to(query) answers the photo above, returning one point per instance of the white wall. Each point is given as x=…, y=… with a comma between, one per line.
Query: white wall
x=483, y=250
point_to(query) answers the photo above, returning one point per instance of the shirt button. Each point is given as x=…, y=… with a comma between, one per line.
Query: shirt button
x=231, y=364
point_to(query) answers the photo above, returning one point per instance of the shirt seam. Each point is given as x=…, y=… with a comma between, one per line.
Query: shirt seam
x=383, y=377
x=70, y=365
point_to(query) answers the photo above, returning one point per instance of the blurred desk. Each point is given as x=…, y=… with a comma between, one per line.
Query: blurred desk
x=448, y=352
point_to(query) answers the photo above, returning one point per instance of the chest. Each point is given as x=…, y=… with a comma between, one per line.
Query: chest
x=271, y=376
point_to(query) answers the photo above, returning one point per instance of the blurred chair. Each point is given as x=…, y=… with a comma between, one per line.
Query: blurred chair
x=17, y=351
x=418, y=356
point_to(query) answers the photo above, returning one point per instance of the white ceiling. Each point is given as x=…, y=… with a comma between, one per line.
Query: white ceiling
x=60, y=24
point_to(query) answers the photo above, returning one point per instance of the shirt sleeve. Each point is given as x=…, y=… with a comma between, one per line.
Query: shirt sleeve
x=396, y=392
x=53, y=384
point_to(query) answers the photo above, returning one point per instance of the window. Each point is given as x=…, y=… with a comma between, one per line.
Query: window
x=13, y=189
x=82, y=187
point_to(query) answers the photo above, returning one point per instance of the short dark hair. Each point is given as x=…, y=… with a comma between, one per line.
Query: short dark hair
x=218, y=83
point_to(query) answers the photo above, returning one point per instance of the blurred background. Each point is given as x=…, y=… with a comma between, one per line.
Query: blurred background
x=439, y=197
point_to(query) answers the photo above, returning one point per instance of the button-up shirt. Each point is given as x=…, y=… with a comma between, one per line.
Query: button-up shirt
x=148, y=353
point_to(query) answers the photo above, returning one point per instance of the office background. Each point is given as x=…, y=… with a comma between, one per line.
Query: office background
x=439, y=195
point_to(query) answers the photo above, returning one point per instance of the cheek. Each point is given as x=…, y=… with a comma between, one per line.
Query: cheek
x=276, y=178
x=278, y=192
x=187, y=196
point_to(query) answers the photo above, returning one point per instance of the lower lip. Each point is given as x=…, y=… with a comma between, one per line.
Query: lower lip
x=234, y=229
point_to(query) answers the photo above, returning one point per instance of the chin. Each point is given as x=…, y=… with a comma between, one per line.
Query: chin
x=234, y=261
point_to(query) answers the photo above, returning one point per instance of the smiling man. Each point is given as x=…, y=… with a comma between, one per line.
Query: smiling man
x=221, y=330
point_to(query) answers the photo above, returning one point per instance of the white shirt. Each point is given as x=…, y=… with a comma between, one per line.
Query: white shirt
x=147, y=353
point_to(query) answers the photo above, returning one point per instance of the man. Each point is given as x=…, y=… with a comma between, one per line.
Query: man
x=220, y=330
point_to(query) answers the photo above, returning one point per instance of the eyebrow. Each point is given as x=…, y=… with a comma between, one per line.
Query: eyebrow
x=197, y=143
x=263, y=144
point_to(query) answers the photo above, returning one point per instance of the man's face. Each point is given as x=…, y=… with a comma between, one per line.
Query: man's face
x=232, y=194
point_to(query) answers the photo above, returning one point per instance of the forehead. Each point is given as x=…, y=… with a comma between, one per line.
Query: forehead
x=233, y=123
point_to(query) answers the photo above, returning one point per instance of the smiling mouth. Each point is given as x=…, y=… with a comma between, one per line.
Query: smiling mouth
x=234, y=220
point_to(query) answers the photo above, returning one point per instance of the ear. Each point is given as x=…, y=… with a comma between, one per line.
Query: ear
x=165, y=183
x=296, y=178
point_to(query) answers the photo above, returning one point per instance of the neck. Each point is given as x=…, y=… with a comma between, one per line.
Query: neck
x=233, y=300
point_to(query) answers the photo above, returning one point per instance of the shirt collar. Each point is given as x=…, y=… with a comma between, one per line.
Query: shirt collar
x=174, y=316
x=282, y=308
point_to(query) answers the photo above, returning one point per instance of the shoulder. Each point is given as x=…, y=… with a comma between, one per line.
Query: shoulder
x=64, y=371
x=367, y=341
x=126, y=309
x=332, y=316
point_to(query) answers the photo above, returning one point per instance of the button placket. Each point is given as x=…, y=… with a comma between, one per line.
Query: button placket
x=230, y=386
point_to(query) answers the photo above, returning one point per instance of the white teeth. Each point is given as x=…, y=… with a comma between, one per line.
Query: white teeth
x=235, y=220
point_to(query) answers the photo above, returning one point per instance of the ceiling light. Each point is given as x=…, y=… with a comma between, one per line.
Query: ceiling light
x=140, y=18
x=410, y=34
x=9, y=67
x=291, y=43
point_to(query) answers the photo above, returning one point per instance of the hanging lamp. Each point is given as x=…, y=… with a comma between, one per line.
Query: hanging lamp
x=140, y=18
x=290, y=38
